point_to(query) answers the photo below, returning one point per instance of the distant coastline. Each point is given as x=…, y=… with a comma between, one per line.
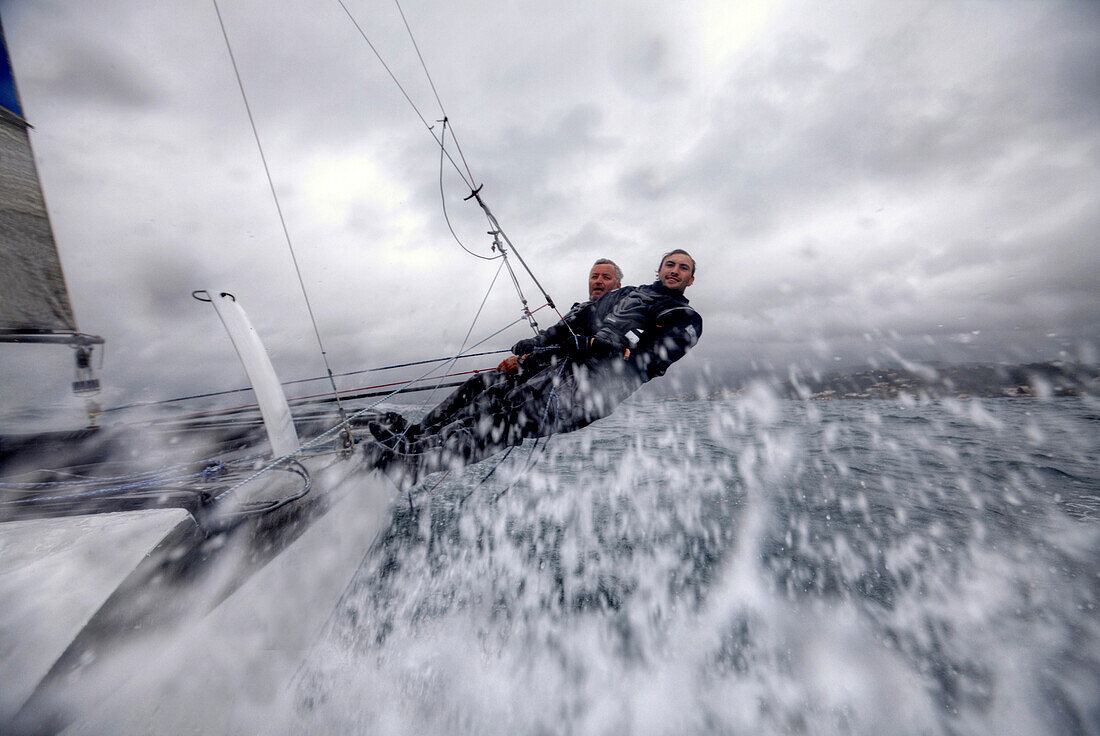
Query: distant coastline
x=1027, y=380
x=1041, y=380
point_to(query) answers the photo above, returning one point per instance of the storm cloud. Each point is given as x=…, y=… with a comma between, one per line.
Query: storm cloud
x=857, y=180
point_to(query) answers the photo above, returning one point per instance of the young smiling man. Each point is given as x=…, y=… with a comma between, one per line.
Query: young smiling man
x=677, y=271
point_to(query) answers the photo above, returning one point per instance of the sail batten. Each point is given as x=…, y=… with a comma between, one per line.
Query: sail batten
x=33, y=294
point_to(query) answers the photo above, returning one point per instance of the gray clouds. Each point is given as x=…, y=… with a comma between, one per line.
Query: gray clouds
x=854, y=178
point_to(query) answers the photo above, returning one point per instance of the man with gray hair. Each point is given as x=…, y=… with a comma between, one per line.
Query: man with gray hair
x=605, y=276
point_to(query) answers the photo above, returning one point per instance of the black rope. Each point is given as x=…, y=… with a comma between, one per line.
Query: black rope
x=535, y=455
x=480, y=483
x=443, y=201
x=532, y=458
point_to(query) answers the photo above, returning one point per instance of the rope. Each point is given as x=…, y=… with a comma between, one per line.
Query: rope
x=150, y=474
x=403, y=385
x=319, y=438
x=227, y=392
x=321, y=378
x=279, y=209
x=92, y=493
x=443, y=199
x=533, y=457
x=316, y=440
x=498, y=230
x=527, y=313
x=139, y=480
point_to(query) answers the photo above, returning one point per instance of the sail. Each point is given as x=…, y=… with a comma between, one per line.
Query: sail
x=33, y=295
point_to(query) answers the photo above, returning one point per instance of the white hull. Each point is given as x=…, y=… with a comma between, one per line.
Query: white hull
x=219, y=670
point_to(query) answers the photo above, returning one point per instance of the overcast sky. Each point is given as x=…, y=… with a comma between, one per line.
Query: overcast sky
x=858, y=181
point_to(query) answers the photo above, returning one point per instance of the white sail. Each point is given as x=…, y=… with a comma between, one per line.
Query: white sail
x=33, y=295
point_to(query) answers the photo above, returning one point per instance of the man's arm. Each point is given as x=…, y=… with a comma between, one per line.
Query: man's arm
x=559, y=334
x=555, y=338
x=676, y=332
x=624, y=326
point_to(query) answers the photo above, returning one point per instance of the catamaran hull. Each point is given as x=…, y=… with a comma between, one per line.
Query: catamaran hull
x=239, y=607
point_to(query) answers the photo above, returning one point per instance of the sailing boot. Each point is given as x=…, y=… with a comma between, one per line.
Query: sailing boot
x=376, y=454
x=391, y=420
x=389, y=438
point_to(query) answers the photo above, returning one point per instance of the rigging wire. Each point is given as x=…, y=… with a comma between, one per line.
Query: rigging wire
x=338, y=375
x=227, y=392
x=351, y=393
x=287, y=462
x=430, y=127
x=527, y=313
x=441, y=141
x=497, y=247
x=496, y=231
x=362, y=412
x=533, y=458
x=431, y=83
x=470, y=330
x=282, y=219
x=310, y=444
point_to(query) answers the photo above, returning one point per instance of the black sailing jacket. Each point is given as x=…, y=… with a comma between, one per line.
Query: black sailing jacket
x=637, y=330
x=652, y=327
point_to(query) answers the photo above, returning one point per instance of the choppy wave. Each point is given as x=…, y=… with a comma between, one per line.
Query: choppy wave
x=743, y=566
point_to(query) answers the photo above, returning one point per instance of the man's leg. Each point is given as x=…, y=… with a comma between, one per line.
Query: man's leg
x=486, y=415
x=499, y=417
x=478, y=395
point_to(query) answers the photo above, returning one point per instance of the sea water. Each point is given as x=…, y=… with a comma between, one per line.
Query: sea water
x=739, y=566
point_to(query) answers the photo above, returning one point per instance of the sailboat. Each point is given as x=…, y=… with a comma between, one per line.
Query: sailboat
x=221, y=551
x=111, y=567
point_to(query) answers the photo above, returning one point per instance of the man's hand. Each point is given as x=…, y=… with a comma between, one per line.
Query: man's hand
x=601, y=349
x=509, y=364
x=523, y=347
x=584, y=347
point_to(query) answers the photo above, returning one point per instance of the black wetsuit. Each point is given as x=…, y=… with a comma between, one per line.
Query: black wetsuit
x=577, y=371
